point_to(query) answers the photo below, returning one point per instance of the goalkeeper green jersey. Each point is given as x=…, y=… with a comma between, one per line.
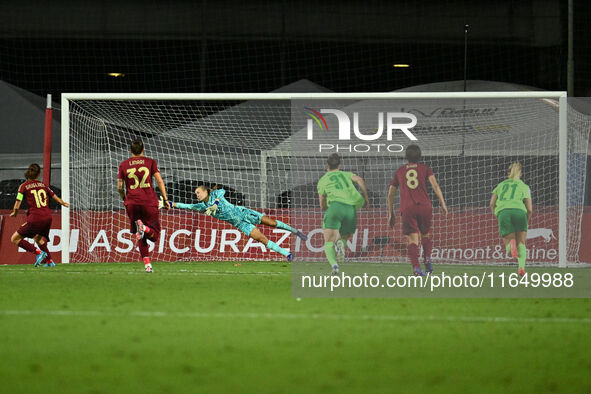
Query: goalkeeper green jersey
x=511, y=194
x=338, y=186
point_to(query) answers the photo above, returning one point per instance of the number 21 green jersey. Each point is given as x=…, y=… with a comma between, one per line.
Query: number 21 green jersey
x=511, y=194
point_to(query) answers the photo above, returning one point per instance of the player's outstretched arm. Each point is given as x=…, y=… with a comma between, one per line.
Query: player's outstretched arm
x=60, y=201
x=359, y=180
x=201, y=207
x=162, y=189
x=438, y=193
x=162, y=203
x=391, y=198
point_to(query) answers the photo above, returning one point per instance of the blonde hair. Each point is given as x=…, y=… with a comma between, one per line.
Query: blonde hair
x=514, y=171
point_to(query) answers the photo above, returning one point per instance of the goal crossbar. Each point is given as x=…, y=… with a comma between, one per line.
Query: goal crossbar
x=558, y=95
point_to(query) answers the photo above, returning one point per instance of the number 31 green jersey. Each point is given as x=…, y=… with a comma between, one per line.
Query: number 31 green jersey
x=338, y=186
x=511, y=194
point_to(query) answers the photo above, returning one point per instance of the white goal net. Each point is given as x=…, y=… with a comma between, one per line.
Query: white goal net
x=268, y=152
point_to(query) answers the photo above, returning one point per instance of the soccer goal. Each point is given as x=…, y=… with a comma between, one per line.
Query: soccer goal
x=269, y=150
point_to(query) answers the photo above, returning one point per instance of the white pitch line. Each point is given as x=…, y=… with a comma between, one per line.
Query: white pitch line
x=141, y=272
x=303, y=316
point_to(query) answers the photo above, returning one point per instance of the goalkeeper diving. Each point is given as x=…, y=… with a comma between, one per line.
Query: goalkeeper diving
x=213, y=203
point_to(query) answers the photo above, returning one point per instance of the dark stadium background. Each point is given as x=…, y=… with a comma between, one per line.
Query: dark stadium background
x=236, y=46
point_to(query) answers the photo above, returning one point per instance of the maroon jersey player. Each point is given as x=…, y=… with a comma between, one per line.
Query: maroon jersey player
x=38, y=223
x=415, y=206
x=134, y=183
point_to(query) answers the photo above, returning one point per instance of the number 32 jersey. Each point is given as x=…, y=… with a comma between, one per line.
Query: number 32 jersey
x=137, y=173
x=37, y=196
x=411, y=179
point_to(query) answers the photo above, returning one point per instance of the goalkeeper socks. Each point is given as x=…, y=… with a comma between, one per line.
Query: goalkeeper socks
x=273, y=246
x=331, y=255
x=413, y=255
x=522, y=254
x=508, y=248
x=285, y=226
x=427, y=246
x=29, y=247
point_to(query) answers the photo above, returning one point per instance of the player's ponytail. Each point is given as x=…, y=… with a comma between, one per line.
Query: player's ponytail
x=514, y=172
x=33, y=171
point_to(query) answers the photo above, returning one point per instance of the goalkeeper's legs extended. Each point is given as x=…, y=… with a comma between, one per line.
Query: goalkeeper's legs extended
x=268, y=221
x=258, y=236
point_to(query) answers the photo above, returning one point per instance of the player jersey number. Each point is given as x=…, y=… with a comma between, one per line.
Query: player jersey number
x=339, y=180
x=412, y=180
x=142, y=184
x=40, y=197
x=506, y=188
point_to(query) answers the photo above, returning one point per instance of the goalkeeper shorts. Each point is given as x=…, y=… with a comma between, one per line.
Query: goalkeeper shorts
x=512, y=220
x=249, y=220
x=342, y=217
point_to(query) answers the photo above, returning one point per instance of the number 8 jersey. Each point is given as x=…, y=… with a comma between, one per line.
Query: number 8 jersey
x=412, y=178
x=37, y=196
x=137, y=173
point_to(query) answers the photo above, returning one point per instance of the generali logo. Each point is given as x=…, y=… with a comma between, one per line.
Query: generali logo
x=387, y=123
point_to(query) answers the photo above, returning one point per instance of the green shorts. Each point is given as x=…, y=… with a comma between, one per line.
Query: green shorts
x=341, y=217
x=511, y=221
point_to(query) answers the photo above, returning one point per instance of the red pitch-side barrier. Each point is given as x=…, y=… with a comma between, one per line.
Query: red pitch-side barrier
x=207, y=239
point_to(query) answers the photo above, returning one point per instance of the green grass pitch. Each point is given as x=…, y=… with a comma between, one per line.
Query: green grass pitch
x=220, y=327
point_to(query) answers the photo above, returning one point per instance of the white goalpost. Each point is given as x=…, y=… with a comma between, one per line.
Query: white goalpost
x=269, y=149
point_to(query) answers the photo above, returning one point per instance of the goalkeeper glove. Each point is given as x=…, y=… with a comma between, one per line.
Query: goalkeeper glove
x=161, y=203
x=211, y=210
